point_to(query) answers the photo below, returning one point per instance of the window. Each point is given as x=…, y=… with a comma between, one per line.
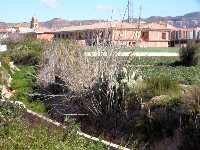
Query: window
x=80, y=36
x=133, y=43
x=164, y=36
x=145, y=36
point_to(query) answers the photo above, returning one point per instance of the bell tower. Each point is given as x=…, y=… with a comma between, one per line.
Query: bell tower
x=34, y=23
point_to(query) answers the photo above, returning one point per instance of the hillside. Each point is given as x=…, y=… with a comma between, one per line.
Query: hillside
x=59, y=23
x=187, y=20
x=55, y=23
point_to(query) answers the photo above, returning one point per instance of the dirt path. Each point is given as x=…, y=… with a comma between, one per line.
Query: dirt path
x=137, y=54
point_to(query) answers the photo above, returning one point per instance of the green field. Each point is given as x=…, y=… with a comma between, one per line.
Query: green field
x=155, y=66
x=153, y=60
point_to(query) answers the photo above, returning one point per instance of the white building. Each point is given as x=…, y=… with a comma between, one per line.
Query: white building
x=3, y=34
x=3, y=48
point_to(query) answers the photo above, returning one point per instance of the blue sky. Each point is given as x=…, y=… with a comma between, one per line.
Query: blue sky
x=22, y=10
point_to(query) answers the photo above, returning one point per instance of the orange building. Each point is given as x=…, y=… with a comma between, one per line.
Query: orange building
x=119, y=33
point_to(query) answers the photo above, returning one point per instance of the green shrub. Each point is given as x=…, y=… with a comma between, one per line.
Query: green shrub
x=10, y=111
x=190, y=55
x=167, y=101
x=25, y=52
x=162, y=85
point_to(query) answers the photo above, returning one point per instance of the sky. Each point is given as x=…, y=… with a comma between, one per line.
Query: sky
x=23, y=10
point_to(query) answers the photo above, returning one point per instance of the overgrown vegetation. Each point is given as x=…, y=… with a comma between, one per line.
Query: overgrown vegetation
x=115, y=98
x=98, y=87
x=160, y=121
x=138, y=101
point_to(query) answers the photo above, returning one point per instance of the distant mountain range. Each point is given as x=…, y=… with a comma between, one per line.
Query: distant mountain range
x=60, y=23
x=186, y=21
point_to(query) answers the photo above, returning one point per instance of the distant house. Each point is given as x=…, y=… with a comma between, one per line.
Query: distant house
x=35, y=31
x=180, y=36
x=118, y=33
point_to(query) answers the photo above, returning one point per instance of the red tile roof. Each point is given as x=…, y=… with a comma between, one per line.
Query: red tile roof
x=3, y=30
x=117, y=25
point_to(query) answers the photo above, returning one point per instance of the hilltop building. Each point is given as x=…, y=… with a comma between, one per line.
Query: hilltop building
x=34, y=30
x=34, y=23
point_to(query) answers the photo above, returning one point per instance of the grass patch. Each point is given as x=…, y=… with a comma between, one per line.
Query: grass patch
x=23, y=83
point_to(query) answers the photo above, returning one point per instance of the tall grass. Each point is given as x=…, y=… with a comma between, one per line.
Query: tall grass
x=162, y=85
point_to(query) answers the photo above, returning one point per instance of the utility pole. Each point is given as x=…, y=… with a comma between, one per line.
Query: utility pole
x=140, y=15
x=130, y=11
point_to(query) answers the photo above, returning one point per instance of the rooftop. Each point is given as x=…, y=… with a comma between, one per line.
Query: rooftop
x=117, y=25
